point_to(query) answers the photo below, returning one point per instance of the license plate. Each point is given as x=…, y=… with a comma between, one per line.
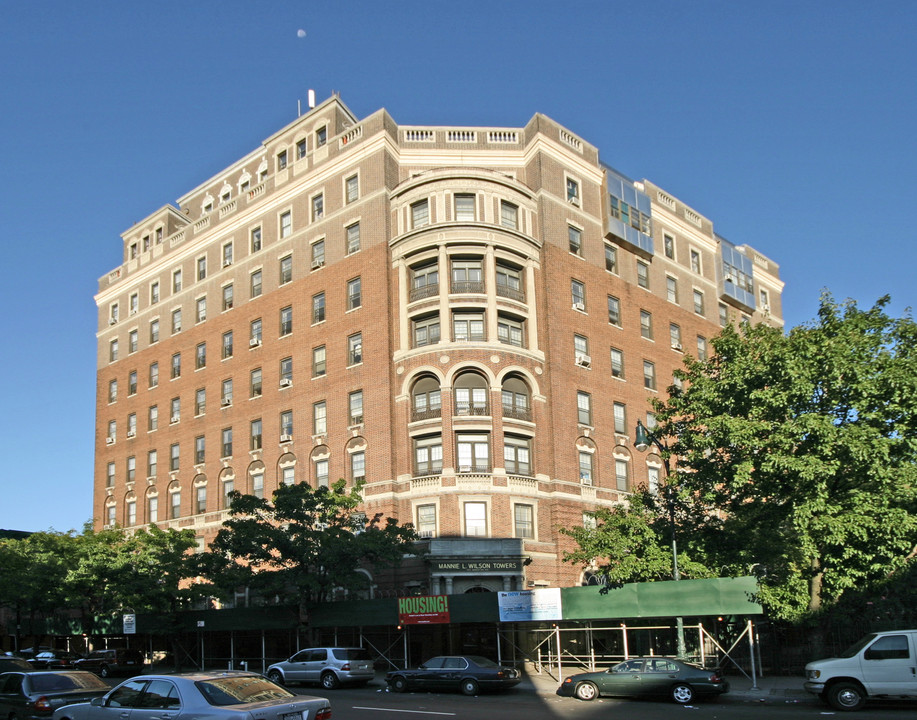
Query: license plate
x=291, y=716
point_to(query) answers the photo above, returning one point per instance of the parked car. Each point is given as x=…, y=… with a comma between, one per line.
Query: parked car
x=211, y=695
x=113, y=661
x=881, y=664
x=646, y=677
x=35, y=694
x=469, y=674
x=55, y=660
x=330, y=667
x=9, y=663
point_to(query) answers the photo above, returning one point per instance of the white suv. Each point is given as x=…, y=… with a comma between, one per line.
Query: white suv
x=330, y=667
x=882, y=664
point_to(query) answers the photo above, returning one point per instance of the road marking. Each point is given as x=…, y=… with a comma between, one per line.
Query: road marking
x=416, y=712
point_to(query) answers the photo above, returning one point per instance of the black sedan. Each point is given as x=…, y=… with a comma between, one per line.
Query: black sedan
x=646, y=677
x=55, y=660
x=35, y=695
x=210, y=695
x=470, y=674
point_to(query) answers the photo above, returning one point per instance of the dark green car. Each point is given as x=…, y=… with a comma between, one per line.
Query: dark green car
x=37, y=694
x=646, y=677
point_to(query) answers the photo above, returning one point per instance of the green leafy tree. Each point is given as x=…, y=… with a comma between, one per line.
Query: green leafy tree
x=804, y=445
x=302, y=546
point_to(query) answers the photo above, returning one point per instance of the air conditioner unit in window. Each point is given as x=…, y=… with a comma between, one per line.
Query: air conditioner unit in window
x=227, y=263
x=285, y=382
x=579, y=306
x=286, y=438
x=226, y=402
x=131, y=433
x=109, y=441
x=583, y=360
x=112, y=321
x=317, y=264
x=175, y=418
x=765, y=307
x=254, y=342
x=464, y=468
x=677, y=346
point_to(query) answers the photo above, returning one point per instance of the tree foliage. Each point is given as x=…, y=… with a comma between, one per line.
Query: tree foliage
x=804, y=445
x=304, y=545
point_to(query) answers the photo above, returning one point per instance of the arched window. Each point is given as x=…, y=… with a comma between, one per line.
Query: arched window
x=516, y=399
x=470, y=395
x=426, y=400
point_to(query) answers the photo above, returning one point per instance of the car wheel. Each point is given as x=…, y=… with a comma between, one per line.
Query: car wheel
x=682, y=693
x=586, y=691
x=398, y=684
x=104, y=671
x=275, y=676
x=846, y=696
x=330, y=681
x=469, y=687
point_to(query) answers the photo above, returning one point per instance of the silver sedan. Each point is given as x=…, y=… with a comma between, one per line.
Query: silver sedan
x=201, y=696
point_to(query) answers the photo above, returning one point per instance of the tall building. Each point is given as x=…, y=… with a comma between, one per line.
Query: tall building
x=469, y=320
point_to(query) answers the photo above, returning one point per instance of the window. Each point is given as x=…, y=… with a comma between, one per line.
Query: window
x=227, y=254
x=174, y=457
x=355, y=349
x=510, y=331
x=318, y=361
x=288, y=475
x=110, y=515
x=578, y=295
x=517, y=455
x=475, y=519
x=471, y=394
x=131, y=469
x=132, y=425
x=154, y=293
x=318, y=308
x=643, y=275
x=152, y=463
x=646, y=324
x=468, y=327
x=226, y=393
x=464, y=208
x=255, y=284
x=152, y=421
x=200, y=401
x=152, y=509
x=286, y=424
x=572, y=191
x=255, y=238
x=319, y=418
x=254, y=442
x=580, y=346
x=649, y=375
x=420, y=214
x=113, y=350
x=286, y=320
x=354, y=295
x=589, y=521
x=132, y=382
x=427, y=399
x=321, y=136
x=671, y=289
x=467, y=276
x=353, y=238
x=132, y=342
x=575, y=240
x=300, y=149
x=131, y=512
x=509, y=282
x=318, y=207
x=668, y=246
x=282, y=160
x=675, y=336
x=358, y=467
x=321, y=473
x=175, y=505
x=134, y=303
x=524, y=521
x=652, y=479
x=112, y=430
x=255, y=330
x=286, y=224
x=764, y=300
x=154, y=331
x=200, y=500
x=614, y=310
x=201, y=268
x=723, y=315
x=701, y=348
x=154, y=375
x=112, y=390
x=286, y=372
x=201, y=309
x=176, y=321
x=584, y=408
x=611, y=258
x=428, y=456
x=585, y=467
x=617, y=363
x=200, y=356
x=286, y=269
x=426, y=520
x=509, y=215
x=621, y=474
x=227, y=345
x=695, y=262
x=699, y=302
x=426, y=331
x=318, y=254
x=255, y=383
x=356, y=407
x=620, y=416
x=176, y=281
x=199, y=450
x=176, y=365
x=351, y=189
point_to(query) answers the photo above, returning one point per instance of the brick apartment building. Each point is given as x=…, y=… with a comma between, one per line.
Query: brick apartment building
x=470, y=320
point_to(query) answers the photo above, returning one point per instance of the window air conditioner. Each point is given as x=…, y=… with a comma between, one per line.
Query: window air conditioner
x=317, y=264
x=579, y=306
x=285, y=382
x=583, y=360
x=226, y=402
x=227, y=263
x=254, y=342
x=131, y=433
x=286, y=438
x=676, y=346
x=175, y=418
x=109, y=441
x=112, y=321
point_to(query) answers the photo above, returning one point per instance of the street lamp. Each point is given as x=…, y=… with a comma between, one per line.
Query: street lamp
x=642, y=440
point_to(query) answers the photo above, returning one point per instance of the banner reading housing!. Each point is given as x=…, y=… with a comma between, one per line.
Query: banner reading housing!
x=424, y=610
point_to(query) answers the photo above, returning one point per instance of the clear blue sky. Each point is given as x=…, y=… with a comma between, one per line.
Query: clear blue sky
x=789, y=124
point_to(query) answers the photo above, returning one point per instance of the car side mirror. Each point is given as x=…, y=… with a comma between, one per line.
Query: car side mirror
x=97, y=701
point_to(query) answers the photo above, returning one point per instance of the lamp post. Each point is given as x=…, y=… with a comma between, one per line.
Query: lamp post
x=642, y=440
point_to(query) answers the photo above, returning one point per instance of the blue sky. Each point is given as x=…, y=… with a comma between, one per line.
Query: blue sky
x=789, y=124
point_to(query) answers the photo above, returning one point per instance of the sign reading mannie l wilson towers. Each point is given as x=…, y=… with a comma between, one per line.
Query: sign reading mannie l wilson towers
x=423, y=610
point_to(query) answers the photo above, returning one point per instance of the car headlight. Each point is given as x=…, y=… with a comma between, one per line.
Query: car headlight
x=814, y=674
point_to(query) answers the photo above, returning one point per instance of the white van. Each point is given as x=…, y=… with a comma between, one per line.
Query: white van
x=882, y=664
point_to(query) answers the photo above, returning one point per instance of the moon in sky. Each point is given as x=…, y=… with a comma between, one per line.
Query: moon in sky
x=300, y=33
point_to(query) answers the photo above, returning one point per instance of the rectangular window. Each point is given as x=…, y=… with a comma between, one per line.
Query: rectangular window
x=174, y=457
x=300, y=149
x=255, y=284
x=227, y=345
x=321, y=136
x=132, y=382
x=154, y=292
x=154, y=331
x=319, y=418
x=611, y=258
x=646, y=324
x=668, y=246
x=355, y=349
x=286, y=269
x=426, y=520
x=200, y=500
x=227, y=254
x=509, y=282
x=152, y=418
x=227, y=297
x=286, y=372
x=318, y=308
x=580, y=345
x=226, y=393
x=321, y=473
x=621, y=474
x=614, y=310
x=617, y=363
x=723, y=315
x=468, y=327
x=671, y=289
x=226, y=443
x=282, y=160
x=113, y=350
x=318, y=254
x=358, y=467
x=132, y=513
x=426, y=331
x=584, y=408
x=176, y=281
x=354, y=294
x=256, y=239
x=200, y=356
x=509, y=215
x=319, y=366
x=510, y=332
x=200, y=401
x=701, y=348
x=288, y=475
x=695, y=261
x=475, y=519
x=524, y=521
x=420, y=214
x=356, y=407
x=174, y=410
x=255, y=383
x=201, y=309
x=575, y=240
x=152, y=463
x=572, y=191
x=578, y=295
x=620, y=415
x=199, y=448
x=286, y=224
x=675, y=336
x=517, y=455
x=134, y=303
x=467, y=276
x=254, y=442
x=464, y=208
x=699, y=302
x=643, y=274
x=132, y=342
x=649, y=375
x=175, y=505
x=131, y=469
x=286, y=425
x=255, y=333
x=176, y=321
x=286, y=320
x=318, y=207
x=585, y=467
x=112, y=390
x=176, y=365
x=351, y=189
x=353, y=238
x=201, y=268
x=428, y=456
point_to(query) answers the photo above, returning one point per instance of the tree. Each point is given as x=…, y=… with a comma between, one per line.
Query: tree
x=304, y=545
x=804, y=445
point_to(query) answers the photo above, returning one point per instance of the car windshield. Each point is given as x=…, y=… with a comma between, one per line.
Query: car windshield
x=237, y=690
x=351, y=654
x=482, y=661
x=56, y=682
x=857, y=646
